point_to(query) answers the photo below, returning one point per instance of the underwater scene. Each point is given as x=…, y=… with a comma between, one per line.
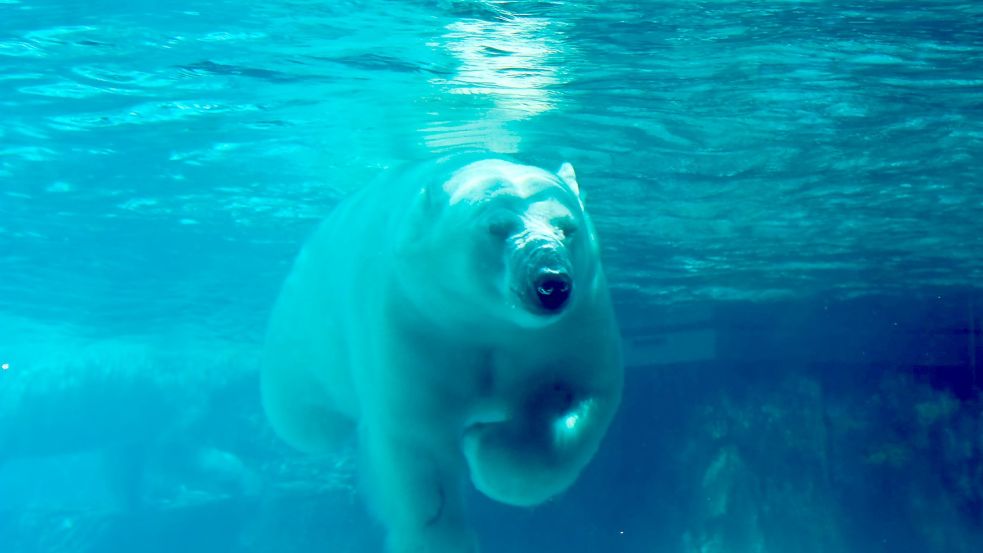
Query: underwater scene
x=633, y=276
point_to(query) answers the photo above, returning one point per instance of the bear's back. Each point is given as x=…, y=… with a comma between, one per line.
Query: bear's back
x=324, y=310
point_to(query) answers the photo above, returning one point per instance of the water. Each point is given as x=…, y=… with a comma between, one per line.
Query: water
x=790, y=197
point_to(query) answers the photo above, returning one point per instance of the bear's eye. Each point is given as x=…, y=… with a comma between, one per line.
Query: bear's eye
x=566, y=226
x=503, y=225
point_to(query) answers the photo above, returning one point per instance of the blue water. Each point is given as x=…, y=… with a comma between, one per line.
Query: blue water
x=789, y=195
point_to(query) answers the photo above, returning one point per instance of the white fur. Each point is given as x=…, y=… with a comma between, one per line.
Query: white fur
x=408, y=316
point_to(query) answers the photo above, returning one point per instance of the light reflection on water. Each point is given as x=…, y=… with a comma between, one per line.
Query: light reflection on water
x=782, y=149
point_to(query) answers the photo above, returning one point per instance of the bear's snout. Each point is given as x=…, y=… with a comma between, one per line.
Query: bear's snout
x=545, y=279
x=552, y=288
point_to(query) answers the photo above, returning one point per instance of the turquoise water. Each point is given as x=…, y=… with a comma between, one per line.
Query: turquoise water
x=760, y=173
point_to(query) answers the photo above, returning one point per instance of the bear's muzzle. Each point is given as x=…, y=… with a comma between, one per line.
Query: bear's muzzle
x=545, y=281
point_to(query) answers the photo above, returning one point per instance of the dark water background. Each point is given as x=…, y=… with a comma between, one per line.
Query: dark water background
x=789, y=193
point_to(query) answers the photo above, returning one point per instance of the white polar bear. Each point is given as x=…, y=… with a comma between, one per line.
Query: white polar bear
x=457, y=316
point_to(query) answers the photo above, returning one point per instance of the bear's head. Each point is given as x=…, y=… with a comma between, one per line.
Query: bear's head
x=509, y=242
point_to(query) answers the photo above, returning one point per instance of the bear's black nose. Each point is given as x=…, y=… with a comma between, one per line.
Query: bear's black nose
x=553, y=289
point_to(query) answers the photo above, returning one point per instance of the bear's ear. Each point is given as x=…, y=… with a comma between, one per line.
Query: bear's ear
x=567, y=175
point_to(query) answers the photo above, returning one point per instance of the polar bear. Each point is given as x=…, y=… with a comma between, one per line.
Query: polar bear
x=458, y=319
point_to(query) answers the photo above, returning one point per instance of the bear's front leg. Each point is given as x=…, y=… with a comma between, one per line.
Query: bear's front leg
x=417, y=493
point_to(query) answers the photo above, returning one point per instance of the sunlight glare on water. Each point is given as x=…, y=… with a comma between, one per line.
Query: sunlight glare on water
x=781, y=148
